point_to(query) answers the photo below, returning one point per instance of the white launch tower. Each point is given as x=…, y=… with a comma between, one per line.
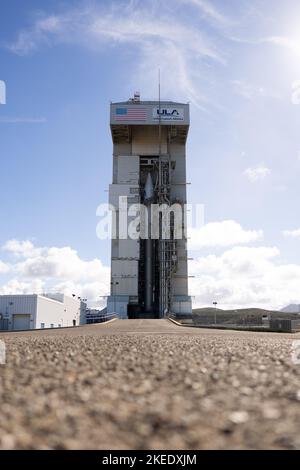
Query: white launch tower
x=149, y=277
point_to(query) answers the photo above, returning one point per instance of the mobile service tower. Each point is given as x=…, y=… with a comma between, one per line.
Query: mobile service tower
x=149, y=276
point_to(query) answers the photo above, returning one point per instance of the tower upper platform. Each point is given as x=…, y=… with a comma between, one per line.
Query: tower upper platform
x=149, y=113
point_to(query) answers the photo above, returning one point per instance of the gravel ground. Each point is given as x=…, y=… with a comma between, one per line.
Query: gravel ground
x=149, y=385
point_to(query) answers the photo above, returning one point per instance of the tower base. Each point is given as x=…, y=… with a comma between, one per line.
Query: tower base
x=120, y=304
x=182, y=305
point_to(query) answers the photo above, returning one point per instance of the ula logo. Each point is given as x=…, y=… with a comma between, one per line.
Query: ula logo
x=168, y=112
x=2, y=92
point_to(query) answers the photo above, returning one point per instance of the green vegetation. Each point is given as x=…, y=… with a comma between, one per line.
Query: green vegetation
x=240, y=316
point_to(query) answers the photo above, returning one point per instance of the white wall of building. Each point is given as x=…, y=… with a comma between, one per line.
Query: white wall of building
x=13, y=305
x=71, y=309
x=41, y=311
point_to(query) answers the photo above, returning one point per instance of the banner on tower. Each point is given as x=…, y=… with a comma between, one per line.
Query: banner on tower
x=168, y=114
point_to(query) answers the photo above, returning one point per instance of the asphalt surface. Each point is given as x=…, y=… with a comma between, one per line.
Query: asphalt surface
x=149, y=385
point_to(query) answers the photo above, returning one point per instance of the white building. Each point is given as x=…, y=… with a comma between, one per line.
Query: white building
x=27, y=312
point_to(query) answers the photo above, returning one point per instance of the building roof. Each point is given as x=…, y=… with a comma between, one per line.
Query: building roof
x=151, y=103
x=133, y=112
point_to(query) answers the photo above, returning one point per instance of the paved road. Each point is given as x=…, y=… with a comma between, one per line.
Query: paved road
x=148, y=384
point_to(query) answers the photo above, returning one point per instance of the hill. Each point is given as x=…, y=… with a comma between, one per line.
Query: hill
x=233, y=315
x=292, y=308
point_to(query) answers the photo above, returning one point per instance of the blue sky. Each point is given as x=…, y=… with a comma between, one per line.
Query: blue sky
x=236, y=62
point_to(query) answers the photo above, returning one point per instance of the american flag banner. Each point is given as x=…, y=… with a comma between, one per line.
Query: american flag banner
x=134, y=113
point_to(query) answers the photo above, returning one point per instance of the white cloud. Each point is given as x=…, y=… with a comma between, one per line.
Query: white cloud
x=20, y=248
x=239, y=277
x=245, y=277
x=40, y=269
x=159, y=38
x=209, y=10
x=18, y=287
x=95, y=291
x=249, y=91
x=243, y=89
x=59, y=263
x=4, y=268
x=257, y=174
x=292, y=233
x=221, y=234
x=283, y=41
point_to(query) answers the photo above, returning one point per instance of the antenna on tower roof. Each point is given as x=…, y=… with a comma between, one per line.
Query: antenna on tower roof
x=159, y=111
x=159, y=85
